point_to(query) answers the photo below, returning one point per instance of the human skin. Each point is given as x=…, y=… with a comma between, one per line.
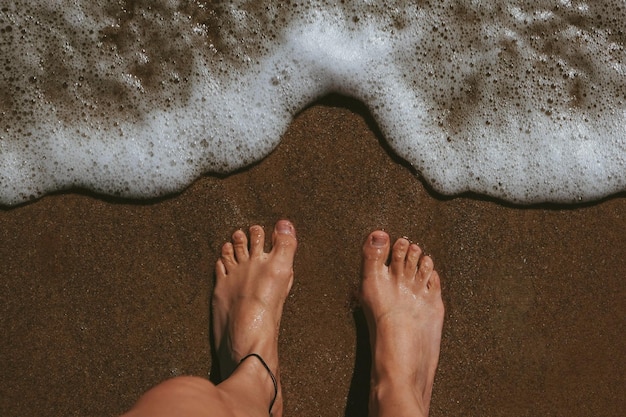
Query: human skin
x=250, y=291
x=404, y=311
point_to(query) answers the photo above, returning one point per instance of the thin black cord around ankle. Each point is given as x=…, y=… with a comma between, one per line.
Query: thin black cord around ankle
x=256, y=355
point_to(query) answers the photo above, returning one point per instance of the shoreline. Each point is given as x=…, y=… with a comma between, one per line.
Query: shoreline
x=105, y=298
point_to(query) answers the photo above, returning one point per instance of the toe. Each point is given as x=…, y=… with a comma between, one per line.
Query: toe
x=398, y=257
x=228, y=255
x=220, y=269
x=375, y=252
x=257, y=240
x=425, y=270
x=284, y=240
x=434, y=283
x=240, y=244
x=412, y=260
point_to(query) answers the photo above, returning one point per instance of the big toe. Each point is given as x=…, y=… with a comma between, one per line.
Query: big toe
x=375, y=251
x=284, y=240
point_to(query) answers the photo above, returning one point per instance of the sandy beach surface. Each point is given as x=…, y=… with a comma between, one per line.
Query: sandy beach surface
x=102, y=299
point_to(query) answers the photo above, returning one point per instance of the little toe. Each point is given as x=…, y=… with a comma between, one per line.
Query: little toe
x=284, y=240
x=220, y=269
x=257, y=240
x=434, y=282
x=425, y=271
x=240, y=244
x=228, y=255
x=398, y=257
x=375, y=252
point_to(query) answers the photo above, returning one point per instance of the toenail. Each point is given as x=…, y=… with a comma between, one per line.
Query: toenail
x=378, y=240
x=284, y=227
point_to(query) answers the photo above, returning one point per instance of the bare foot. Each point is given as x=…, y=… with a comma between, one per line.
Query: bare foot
x=403, y=306
x=248, y=300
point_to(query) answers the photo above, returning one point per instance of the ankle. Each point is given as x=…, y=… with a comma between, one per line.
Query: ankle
x=396, y=397
x=254, y=367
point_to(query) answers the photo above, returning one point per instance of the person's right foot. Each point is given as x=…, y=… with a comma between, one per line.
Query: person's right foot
x=250, y=291
x=404, y=311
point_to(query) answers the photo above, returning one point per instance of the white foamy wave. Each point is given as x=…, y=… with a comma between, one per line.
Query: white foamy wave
x=524, y=101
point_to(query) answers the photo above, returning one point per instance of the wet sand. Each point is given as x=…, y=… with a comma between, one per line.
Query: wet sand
x=102, y=299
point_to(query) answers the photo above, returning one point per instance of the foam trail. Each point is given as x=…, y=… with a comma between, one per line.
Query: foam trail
x=519, y=100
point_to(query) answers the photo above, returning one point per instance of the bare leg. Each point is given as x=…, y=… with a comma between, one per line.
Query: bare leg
x=404, y=311
x=248, y=300
x=251, y=289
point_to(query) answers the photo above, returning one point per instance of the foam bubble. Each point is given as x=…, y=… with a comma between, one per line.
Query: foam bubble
x=519, y=100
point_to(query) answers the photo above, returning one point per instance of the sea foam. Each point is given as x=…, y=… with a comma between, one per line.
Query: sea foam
x=520, y=100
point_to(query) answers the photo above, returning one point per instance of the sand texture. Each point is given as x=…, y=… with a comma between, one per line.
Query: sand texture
x=102, y=299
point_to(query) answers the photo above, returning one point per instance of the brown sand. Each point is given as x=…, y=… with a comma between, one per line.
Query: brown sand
x=103, y=299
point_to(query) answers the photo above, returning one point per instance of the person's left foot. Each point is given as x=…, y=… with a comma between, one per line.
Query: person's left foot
x=404, y=311
x=249, y=295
